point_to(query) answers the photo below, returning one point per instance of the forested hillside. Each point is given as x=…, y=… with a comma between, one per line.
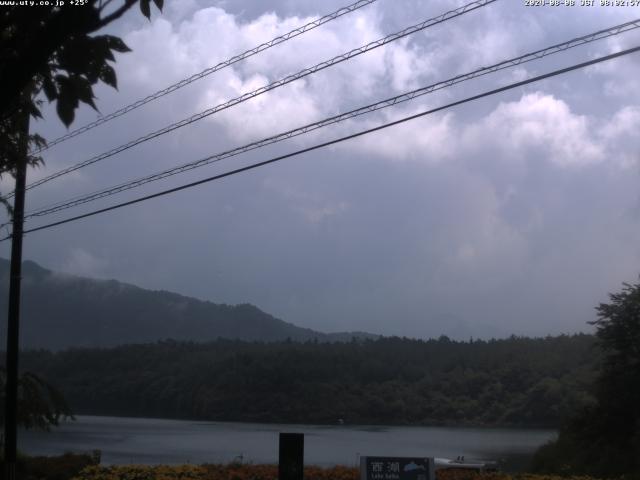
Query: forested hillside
x=61, y=311
x=516, y=381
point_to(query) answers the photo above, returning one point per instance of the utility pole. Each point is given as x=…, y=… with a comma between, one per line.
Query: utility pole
x=13, y=321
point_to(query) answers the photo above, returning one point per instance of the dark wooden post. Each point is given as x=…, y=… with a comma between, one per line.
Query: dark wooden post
x=291, y=457
x=13, y=320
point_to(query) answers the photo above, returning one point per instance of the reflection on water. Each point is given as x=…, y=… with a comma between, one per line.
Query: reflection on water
x=153, y=441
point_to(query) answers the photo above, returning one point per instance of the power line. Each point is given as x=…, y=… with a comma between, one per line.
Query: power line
x=237, y=58
x=335, y=141
x=601, y=34
x=283, y=81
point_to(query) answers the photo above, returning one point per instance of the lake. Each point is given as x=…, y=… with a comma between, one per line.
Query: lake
x=155, y=441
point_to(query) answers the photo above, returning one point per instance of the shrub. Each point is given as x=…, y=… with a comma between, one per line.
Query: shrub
x=61, y=467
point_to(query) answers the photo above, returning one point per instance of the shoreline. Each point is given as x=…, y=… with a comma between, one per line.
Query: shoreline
x=447, y=425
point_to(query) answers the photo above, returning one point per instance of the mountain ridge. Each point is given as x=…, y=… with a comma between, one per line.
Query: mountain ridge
x=61, y=310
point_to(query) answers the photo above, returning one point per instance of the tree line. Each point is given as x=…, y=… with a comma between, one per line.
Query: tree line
x=515, y=381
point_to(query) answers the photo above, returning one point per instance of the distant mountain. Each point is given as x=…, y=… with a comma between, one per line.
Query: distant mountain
x=61, y=310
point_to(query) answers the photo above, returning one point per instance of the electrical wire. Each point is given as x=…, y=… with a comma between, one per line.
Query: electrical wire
x=528, y=57
x=334, y=141
x=288, y=79
x=208, y=71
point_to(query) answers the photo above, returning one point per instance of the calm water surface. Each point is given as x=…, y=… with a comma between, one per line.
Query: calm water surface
x=153, y=441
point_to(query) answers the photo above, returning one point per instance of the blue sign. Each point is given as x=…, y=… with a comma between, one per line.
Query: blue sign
x=396, y=468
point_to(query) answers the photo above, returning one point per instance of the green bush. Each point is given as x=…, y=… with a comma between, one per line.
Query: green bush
x=63, y=467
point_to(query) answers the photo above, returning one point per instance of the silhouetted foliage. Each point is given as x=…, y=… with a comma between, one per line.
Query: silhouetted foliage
x=516, y=381
x=40, y=405
x=604, y=439
x=61, y=467
x=53, y=50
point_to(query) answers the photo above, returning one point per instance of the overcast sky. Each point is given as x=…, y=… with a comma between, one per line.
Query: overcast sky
x=515, y=214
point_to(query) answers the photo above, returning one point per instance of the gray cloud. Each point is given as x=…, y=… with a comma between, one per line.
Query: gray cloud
x=516, y=214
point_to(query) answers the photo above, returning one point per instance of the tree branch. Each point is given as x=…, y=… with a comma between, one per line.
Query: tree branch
x=104, y=5
x=115, y=15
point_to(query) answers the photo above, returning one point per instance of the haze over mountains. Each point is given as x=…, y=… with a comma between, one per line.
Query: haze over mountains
x=61, y=311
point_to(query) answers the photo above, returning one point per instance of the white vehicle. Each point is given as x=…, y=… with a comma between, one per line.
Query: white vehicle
x=460, y=463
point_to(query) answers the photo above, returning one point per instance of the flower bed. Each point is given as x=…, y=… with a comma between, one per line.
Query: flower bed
x=270, y=472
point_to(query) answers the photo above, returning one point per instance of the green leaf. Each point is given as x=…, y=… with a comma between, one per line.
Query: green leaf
x=159, y=4
x=116, y=43
x=67, y=100
x=145, y=8
x=77, y=53
x=34, y=111
x=83, y=91
x=38, y=141
x=49, y=88
x=101, y=49
x=108, y=76
x=65, y=111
